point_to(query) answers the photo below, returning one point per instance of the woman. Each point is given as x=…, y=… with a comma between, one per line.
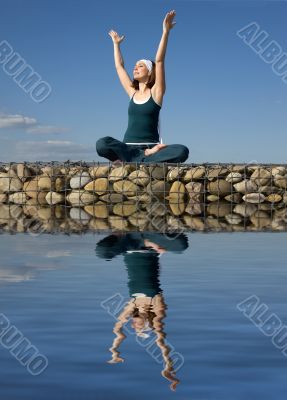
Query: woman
x=146, y=91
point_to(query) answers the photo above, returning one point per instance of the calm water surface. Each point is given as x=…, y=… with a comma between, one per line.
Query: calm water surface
x=67, y=293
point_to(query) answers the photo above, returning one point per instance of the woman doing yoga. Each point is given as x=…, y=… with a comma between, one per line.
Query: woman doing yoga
x=141, y=141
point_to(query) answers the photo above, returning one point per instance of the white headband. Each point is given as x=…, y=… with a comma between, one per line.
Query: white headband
x=148, y=64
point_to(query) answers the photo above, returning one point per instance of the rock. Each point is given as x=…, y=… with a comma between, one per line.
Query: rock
x=245, y=209
x=125, y=209
x=245, y=186
x=177, y=192
x=194, y=208
x=9, y=184
x=278, y=170
x=142, y=198
x=40, y=198
x=112, y=197
x=80, y=215
x=268, y=189
x=139, y=220
x=98, y=224
x=100, y=171
x=158, y=188
x=119, y=173
x=233, y=219
x=81, y=197
x=23, y=172
x=98, y=210
x=261, y=177
x=126, y=187
x=31, y=188
x=234, y=177
x=3, y=197
x=29, y=207
x=175, y=173
x=174, y=225
x=44, y=182
x=278, y=225
x=220, y=187
x=54, y=198
x=236, y=168
x=75, y=170
x=12, y=211
x=195, y=191
x=139, y=177
x=99, y=186
x=265, y=206
x=44, y=213
x=219, y=209
x=118, y=223
x=60, y=211
x=177, y=208
x=79, y=180
x=260, y=219
x=51, y=171
x=254, y=197
x=156, y=209
x=274, y=197
x=234, y=197
x=280, y=181
x=212, y=197
x=216, y=173
x=195, y=223
x=18, y=198
x=158, y=172
x=194, y=173
x=61, y=184
x=214, y=224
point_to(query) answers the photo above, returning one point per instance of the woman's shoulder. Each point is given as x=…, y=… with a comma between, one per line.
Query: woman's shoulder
x=158, y=98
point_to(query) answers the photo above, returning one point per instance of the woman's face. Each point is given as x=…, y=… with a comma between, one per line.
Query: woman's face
x=140, y=70
x=138, y=323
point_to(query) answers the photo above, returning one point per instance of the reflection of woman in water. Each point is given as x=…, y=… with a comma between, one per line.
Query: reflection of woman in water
x=146, y=308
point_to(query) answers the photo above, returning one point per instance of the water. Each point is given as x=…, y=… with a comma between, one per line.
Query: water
x=52, y=287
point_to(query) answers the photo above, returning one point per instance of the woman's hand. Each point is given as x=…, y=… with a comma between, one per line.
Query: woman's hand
x=167, y=23
x=115, y=37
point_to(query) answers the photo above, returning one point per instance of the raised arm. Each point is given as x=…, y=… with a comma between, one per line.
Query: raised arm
x=160, y=55
x=119, y=63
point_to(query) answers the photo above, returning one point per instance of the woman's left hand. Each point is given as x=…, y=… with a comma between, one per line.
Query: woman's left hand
x=167, y=23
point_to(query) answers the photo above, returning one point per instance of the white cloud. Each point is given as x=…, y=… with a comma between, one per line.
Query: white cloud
x=52, y=150
x=46, y=129
x=29, y=125
x=15, y=121
x=58, y=253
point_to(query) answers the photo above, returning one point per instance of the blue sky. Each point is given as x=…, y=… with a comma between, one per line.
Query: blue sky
x=222, y=99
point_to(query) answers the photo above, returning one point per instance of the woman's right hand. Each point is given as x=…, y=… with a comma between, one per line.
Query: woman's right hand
x=115, y=37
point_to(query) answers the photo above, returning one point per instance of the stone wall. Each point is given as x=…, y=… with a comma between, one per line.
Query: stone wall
x=144, y=196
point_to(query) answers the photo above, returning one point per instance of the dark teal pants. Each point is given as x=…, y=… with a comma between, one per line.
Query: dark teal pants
x=113, y=149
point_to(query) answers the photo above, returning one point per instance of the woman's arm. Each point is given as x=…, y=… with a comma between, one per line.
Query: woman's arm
x=119, y=62
x=160, y=55
x=118, y=330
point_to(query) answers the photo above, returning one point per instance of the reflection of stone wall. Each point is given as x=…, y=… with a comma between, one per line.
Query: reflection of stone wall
x=146, y=197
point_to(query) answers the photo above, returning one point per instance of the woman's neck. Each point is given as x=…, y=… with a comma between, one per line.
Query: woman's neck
x=143, y=88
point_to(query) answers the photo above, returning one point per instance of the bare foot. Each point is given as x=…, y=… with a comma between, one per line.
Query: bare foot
x=154, y=149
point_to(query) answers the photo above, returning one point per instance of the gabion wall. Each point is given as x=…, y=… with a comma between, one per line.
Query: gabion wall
x=83, y=196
